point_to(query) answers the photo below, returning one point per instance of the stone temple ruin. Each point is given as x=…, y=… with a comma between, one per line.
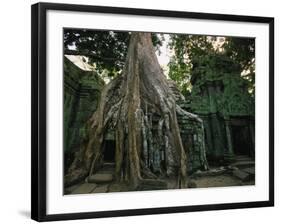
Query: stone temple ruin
x=221, y=98
x=81, y=94
x=218, y=133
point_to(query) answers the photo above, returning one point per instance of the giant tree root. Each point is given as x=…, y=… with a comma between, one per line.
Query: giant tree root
x=141, y=108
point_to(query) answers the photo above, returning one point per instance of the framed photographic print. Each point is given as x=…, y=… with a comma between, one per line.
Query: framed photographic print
x=140, y=111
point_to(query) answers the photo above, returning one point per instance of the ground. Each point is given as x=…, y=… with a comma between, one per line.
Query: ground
x=222, y=180
x=239, y=173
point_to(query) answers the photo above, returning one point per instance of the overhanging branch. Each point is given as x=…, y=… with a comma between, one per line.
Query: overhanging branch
x=91, y=55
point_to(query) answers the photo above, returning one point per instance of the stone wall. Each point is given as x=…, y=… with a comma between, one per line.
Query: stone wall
x=219, y=96
x=81, y=95
x=192, y=133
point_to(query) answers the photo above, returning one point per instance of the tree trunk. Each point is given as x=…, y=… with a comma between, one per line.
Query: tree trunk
x=141, y=108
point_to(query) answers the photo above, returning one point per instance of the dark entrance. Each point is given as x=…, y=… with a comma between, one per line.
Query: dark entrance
x=242, y=144
x=109, y=151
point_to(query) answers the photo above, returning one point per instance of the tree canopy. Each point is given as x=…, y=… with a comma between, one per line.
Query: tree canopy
x=190, y=48
x=107, y=51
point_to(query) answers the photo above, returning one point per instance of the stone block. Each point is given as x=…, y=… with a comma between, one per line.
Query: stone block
x=84, y=188
x=250, y=170
x=244, y=164
x=241, y=175
x=101, y=189
x=100, y=178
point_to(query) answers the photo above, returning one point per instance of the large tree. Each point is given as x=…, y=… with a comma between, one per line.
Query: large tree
x=129, y=104
x=106, y=49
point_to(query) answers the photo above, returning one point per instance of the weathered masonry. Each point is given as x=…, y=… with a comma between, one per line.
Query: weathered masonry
x=220, y=96
x=192, y=133
x=81, y=94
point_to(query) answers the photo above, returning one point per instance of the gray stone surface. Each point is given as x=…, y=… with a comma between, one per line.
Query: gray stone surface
x=84, y=188
x=118, y=187
x=241, y=175
x=100, y=178
x=115, y=187
x=149, y=184
x=211, y=172
x=250, y=170
x=244, y=164
x=70, y=189
x=101, y=188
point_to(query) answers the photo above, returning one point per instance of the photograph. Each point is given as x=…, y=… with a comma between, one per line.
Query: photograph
x=147, y=111
x=138, y=112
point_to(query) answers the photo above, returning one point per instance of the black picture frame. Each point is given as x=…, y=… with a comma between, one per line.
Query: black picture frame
x=39, y=122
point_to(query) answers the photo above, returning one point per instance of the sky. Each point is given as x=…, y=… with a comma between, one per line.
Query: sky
x=165, y=55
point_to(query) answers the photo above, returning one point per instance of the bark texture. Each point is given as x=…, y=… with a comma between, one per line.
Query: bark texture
x=141, y=108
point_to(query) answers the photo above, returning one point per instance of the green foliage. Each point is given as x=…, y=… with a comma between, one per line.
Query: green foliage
x=180, y=73
x=106, y=49
x=241, y=50
x=219, y=88
x=189, y=50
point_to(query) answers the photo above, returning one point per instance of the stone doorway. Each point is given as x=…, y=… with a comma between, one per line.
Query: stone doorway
x=241, y=140
x=109, y=151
